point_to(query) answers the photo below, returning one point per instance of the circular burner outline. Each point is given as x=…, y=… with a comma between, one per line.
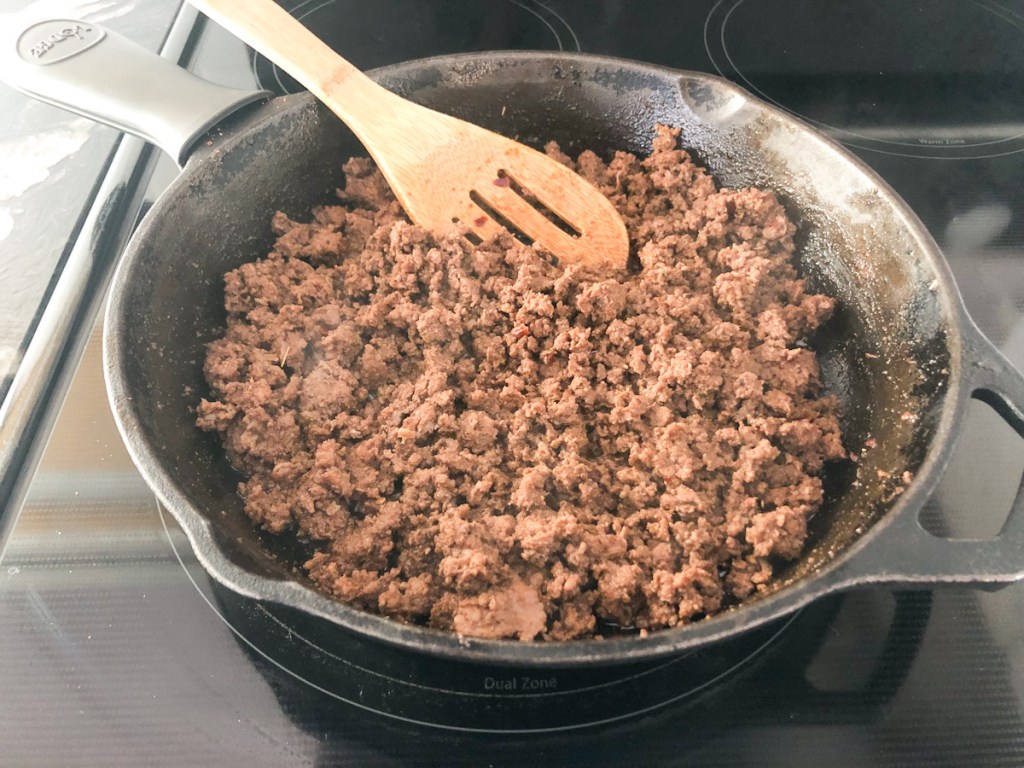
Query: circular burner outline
x=575, y=40
x=927, y=150
x=756, y=652
x=301, y=11
x=476, y=694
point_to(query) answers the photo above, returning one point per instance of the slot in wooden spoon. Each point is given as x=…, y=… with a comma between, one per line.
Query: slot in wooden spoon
x=441, y=169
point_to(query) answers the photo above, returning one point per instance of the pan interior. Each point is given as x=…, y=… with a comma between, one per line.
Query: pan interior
x=886, y=354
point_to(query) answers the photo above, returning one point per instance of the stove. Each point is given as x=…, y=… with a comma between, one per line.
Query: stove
x=116, y=648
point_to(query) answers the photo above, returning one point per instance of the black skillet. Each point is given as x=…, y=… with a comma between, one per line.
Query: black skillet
x=901, y=352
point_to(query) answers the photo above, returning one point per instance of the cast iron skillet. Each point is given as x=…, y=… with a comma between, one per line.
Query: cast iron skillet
x=901, y=352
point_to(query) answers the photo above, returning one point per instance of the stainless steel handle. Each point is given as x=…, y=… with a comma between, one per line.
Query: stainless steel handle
x=94, y=72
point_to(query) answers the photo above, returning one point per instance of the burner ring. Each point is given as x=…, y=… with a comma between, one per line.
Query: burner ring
x=370, y=39
x=915, y=138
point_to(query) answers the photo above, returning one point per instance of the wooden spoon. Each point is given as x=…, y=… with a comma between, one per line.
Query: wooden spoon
x=441, y=169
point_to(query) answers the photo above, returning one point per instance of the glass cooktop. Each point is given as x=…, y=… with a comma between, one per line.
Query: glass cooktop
x=116, y=648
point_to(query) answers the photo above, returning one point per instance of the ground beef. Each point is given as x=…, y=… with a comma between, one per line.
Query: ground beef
x=480, y=439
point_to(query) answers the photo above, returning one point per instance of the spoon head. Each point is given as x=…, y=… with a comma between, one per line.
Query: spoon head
x=487, y=182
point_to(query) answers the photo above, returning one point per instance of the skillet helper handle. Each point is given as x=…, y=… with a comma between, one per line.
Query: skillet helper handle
x=92, y=71
x=906, y=553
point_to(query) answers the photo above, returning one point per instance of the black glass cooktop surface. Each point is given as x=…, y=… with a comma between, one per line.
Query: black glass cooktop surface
x=116, y=648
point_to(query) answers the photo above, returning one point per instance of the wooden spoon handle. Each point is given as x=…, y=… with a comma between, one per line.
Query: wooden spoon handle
x=268, y=28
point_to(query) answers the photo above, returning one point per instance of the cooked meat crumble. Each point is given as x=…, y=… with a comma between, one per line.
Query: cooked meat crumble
x=480, y=439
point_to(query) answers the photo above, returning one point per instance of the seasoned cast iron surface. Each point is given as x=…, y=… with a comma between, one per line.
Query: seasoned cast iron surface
x=888, y=354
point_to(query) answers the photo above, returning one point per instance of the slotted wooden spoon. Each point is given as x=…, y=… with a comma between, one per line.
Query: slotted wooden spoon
x=441, y=169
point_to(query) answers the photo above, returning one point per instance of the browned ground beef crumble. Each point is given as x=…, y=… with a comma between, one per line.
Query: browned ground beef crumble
x=479, y=439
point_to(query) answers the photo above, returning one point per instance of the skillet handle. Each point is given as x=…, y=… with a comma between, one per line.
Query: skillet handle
x=92, y=71
x=905, y=553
